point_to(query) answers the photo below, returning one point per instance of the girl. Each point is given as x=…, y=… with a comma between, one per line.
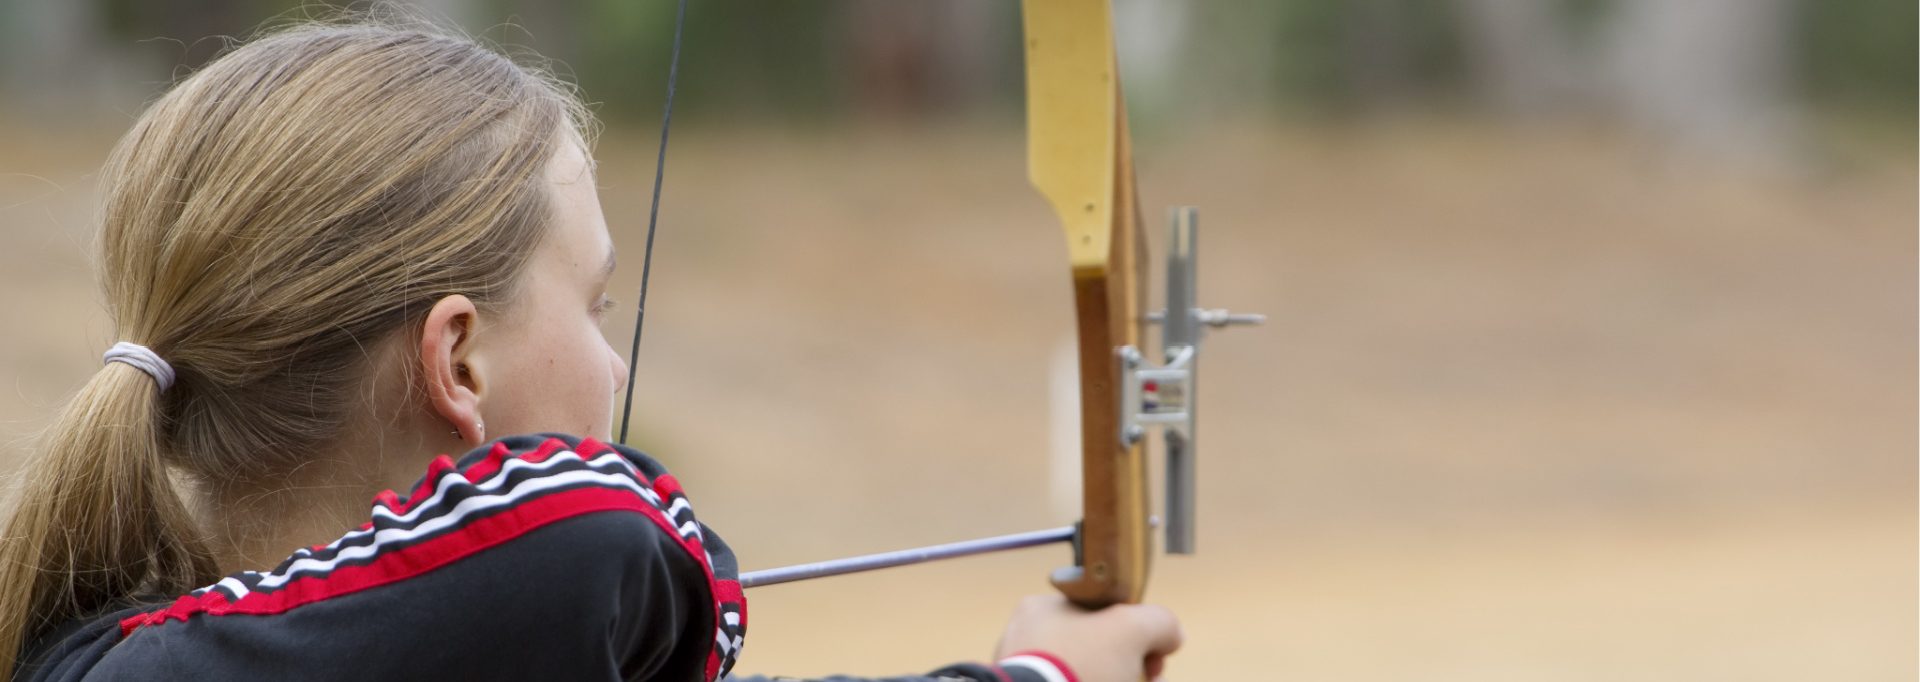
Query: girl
x=329, y=254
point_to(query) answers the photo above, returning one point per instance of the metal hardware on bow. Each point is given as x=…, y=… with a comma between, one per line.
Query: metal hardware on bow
x=1080, y=160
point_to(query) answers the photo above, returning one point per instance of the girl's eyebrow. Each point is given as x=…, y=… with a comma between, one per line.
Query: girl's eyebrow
x=606, y=269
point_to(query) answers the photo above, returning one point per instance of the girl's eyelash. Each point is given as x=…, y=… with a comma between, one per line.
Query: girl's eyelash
x=605, y=304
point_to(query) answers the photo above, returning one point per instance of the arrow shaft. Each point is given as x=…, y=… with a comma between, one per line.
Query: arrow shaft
x=920, y=555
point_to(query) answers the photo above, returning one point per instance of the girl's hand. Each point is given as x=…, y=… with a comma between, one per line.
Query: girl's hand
x=1120, y=643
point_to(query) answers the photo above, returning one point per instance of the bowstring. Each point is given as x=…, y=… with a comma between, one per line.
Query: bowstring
x=653, y=220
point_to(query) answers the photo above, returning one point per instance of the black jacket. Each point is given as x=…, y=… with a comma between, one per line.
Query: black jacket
x=533, y=558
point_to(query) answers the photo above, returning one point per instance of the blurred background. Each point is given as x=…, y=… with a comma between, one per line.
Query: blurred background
x=1592, y=347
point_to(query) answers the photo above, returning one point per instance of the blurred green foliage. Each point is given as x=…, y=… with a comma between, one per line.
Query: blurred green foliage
x=1860, y=54
x=737, y=55
x=790, y=58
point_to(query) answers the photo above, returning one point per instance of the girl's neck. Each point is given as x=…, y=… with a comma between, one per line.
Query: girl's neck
x=254, y=527
x=255, y=530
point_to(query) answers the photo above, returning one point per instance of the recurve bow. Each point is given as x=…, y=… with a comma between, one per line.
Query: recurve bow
x=1080, y=159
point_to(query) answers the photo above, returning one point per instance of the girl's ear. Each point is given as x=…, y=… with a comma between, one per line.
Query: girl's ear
x=451, y=373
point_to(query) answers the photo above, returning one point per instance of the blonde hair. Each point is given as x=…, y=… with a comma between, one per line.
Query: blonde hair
x=274, y=214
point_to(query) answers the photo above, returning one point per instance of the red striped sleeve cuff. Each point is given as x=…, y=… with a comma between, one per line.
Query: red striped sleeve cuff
x=1041, y=666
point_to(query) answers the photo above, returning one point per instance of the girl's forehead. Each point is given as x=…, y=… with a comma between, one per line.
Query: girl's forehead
x=579, y=230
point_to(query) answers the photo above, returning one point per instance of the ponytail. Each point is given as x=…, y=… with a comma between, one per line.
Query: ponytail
x=301, y=197
x=97, y=518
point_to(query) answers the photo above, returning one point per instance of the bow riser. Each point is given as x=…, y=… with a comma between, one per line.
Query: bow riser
x=1080, y=159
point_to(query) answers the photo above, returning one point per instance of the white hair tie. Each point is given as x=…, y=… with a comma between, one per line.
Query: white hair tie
x=143, y=358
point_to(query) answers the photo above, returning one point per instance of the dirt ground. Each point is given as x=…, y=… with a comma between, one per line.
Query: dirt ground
x=1531, y=404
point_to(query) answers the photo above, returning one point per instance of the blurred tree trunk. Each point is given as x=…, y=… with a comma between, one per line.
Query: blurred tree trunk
x=1152, y=40
x=189, y=32
x=1246, y=57
x=1520, y=56
x=1709, y=76
x=55, y=60
x=915, y=58
x=1377, y=54
x=556, y=29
